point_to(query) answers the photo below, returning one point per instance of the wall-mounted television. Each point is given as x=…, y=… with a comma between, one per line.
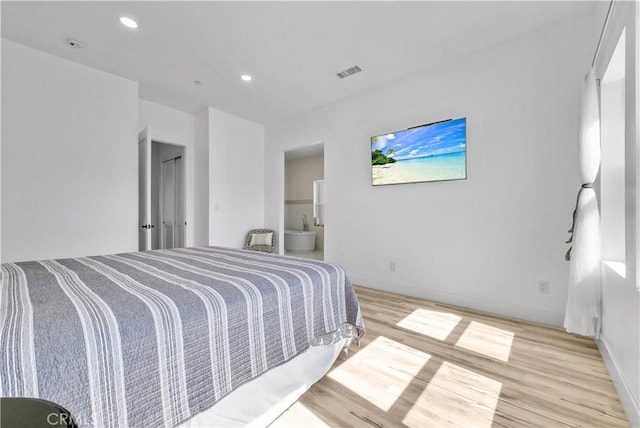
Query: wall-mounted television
x=432, y=152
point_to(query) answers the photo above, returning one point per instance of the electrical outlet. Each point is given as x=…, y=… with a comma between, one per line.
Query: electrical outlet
x=392, y=266
x=543, y=287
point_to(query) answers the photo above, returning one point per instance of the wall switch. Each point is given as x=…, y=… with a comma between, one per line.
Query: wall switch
x=543, y=287
x=392, y=266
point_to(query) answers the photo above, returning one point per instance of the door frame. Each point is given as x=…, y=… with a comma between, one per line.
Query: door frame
x=186, y=167
x=144, y=189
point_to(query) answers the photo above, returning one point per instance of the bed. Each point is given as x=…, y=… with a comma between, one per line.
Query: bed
x=166, y=337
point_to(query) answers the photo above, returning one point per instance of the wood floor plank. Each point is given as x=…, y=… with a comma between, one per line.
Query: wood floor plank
x=428, y=364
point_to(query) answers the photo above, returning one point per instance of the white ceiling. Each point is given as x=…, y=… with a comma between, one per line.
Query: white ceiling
x=292, y=49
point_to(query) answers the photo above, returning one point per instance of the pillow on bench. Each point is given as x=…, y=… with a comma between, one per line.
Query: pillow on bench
x=261, y=239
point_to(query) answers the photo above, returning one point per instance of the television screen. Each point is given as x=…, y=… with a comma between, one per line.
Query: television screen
x=432, y=152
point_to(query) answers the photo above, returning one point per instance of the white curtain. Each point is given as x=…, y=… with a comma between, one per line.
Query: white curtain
x=583, y=312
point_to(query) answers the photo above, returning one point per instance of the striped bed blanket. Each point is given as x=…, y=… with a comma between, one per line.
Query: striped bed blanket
x=156, y=337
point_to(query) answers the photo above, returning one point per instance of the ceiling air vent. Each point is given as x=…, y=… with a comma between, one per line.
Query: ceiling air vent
x=349, y=71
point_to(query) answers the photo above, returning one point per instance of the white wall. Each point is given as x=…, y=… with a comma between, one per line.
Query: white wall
x=201, y=179
x=236, y=173
x=167, y=125
x=225, y=170
x=1, y=259
x=69, y=158
x=482, y=242
x=620, y=339
x=0, y=150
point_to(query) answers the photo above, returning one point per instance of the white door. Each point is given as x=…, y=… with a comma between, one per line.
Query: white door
x=144, y=190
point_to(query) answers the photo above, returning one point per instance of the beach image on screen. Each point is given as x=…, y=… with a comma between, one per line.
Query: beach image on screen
x=433, y=152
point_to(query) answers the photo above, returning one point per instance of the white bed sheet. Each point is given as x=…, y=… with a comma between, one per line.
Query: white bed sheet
x=260, y=401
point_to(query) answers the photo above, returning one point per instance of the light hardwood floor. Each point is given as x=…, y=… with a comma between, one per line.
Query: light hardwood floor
x=425, y=364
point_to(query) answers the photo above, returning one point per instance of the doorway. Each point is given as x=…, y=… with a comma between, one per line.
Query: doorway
x=304, y=202
x=167, y=196
x=161, y=194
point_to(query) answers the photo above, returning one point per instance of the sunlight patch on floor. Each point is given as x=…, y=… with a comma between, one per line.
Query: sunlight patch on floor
x=381, y=371
x=438, y=325
x=455, y=397
x=487, y=340
x=296, y=413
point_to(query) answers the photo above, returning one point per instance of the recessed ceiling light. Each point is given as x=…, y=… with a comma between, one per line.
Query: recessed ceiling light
x=245, y=77
x=128, y=22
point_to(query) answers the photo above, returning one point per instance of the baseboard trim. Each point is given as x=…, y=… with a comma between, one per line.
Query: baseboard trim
x=631, y=407
x=507, y=309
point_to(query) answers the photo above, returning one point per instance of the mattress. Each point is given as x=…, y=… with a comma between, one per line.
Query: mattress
x=154, y=338
x=257, y=403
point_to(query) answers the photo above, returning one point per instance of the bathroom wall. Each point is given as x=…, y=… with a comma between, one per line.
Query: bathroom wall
x=299, y=177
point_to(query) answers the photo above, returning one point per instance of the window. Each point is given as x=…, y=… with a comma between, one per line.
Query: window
x=612, y=172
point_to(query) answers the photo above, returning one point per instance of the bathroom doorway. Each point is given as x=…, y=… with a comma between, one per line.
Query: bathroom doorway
x=304, y=202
